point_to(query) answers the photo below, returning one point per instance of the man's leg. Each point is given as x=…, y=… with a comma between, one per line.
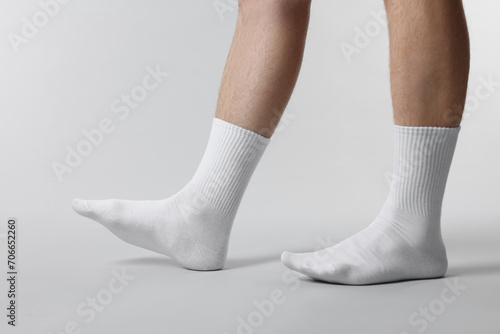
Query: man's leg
x=429, y=46
x=429, y=71
x=193, y=226
x=263, y=63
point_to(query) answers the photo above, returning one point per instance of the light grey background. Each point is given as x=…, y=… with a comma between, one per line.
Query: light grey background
x=325, y=174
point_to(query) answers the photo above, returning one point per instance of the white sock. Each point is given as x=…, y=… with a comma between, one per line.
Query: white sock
x=194, y=225
x=404, y=241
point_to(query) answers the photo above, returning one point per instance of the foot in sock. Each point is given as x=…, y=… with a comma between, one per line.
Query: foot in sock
x=404, y=241
x=194, y=225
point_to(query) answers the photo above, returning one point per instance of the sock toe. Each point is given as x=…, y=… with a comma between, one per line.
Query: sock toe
x=293, y=260
x=81, y=207
x=308, y=265
x=316, y=268
x=290, y=260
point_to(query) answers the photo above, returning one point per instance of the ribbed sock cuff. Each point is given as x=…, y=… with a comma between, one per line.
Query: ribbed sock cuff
x=422, y=160
x=231, y=156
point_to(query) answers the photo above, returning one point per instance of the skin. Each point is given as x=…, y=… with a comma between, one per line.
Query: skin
x=429, y=47
x=263, y=63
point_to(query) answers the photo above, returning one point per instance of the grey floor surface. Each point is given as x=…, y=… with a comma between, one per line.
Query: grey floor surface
x=57, y=286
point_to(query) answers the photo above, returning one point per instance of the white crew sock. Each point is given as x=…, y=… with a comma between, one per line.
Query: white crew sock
x=404, y=241
x=194, y=225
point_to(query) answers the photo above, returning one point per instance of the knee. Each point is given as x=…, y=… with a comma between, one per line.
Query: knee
x=276, y=7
